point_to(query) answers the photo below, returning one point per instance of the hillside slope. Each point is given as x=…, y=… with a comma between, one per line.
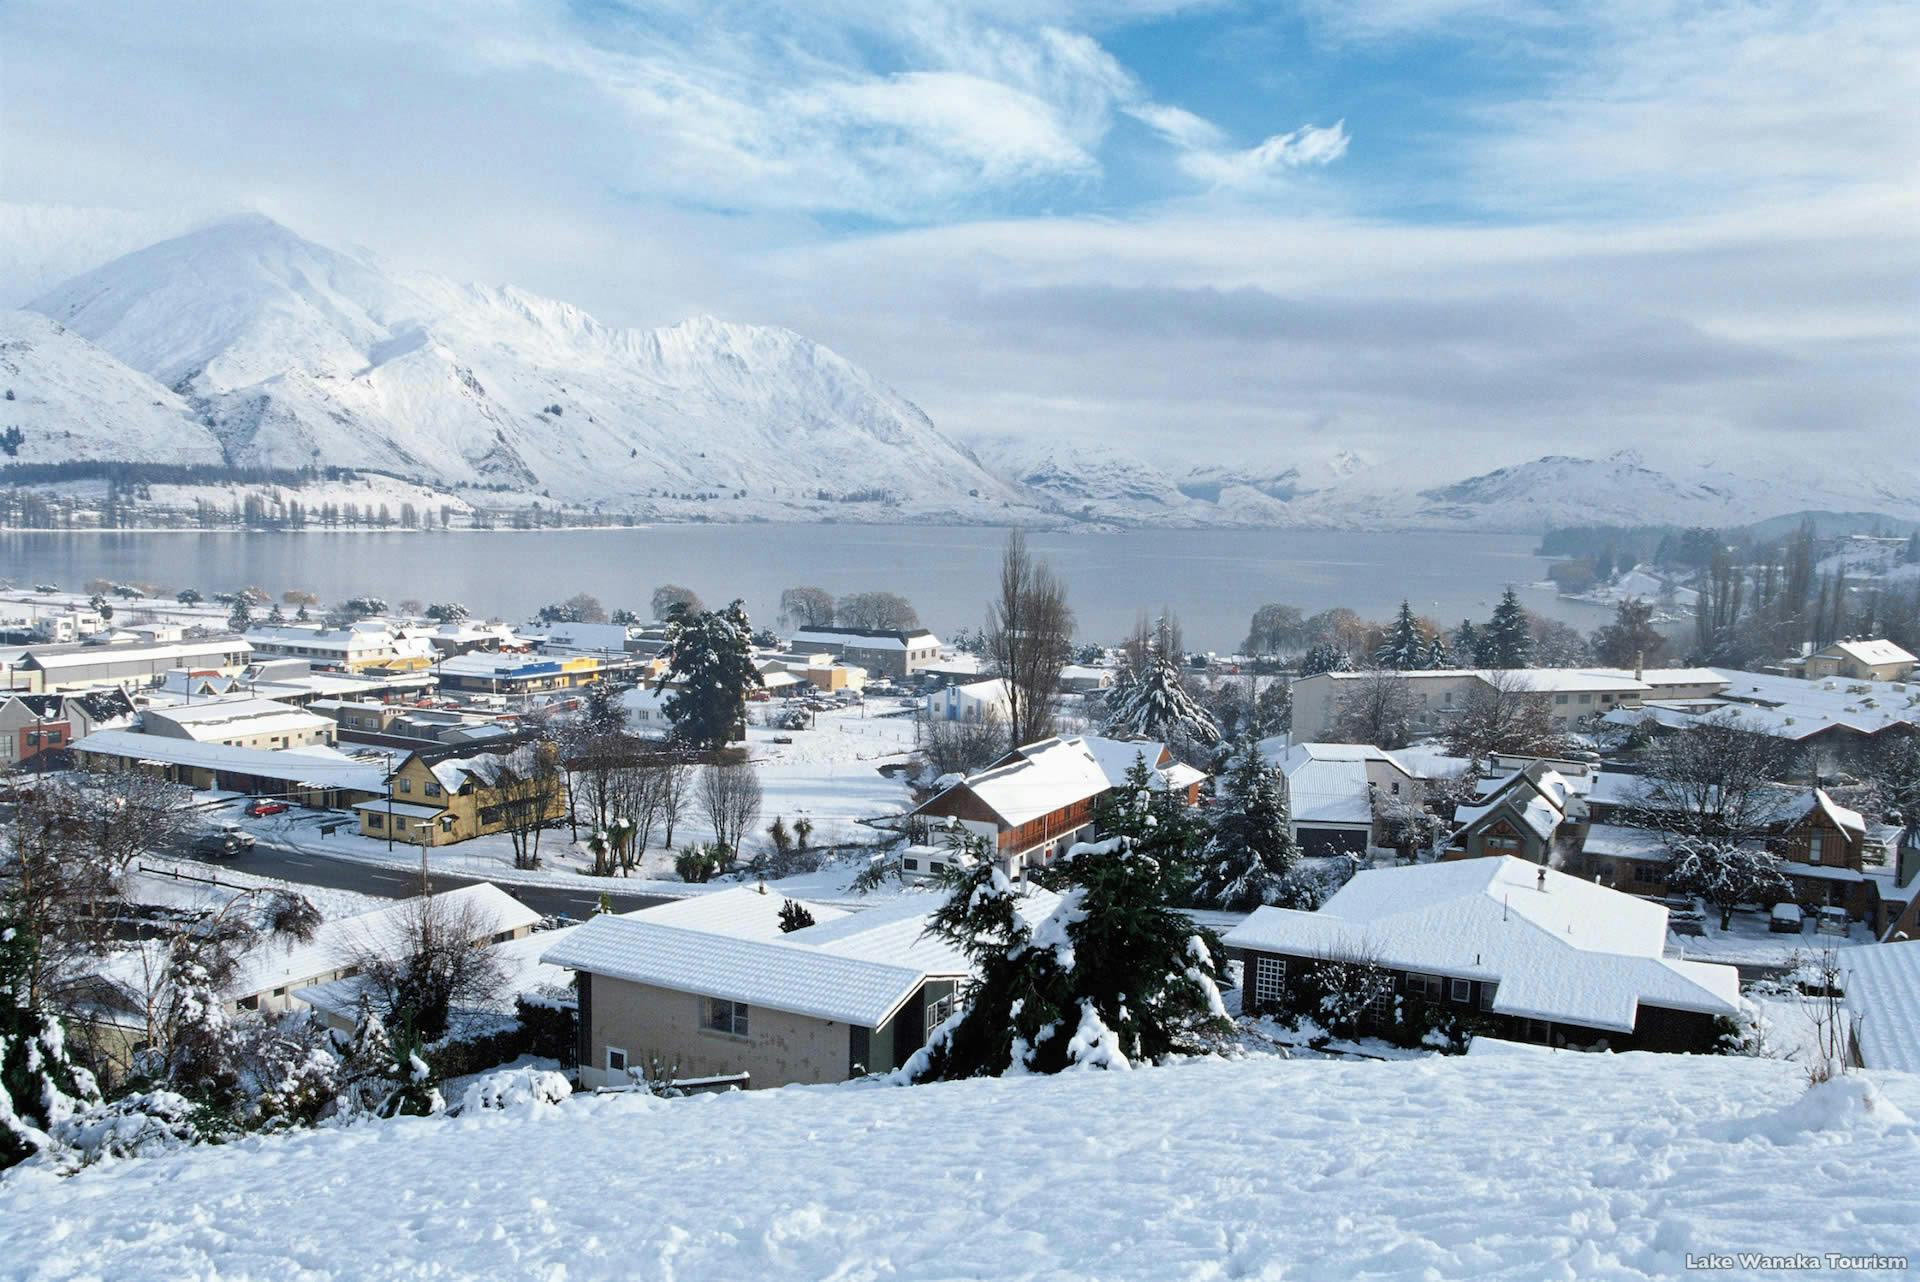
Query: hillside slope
x=1520, y=1166
x=72, y=401
x=299, y=354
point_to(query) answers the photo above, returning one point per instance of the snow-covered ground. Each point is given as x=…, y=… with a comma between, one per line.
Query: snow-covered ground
x=1750, y=942
x=1521, y=1166
x=192, y=886
x=828, y=775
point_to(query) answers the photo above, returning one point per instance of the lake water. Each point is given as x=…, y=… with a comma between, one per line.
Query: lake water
x=1213, y=579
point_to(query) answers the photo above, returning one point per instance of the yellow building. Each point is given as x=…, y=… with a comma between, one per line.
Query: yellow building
x=440, y=800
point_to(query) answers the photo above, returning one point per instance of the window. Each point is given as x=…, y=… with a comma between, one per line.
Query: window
x=939, y=1012
x=1645, y=874
x=1486, y=995
x=723, y=1016
x=1269, y=981
x=1814, y=843
x=911, y=865
x=1416, y=985
x=1559, y=698
x=1396, y=787
x=406, y=785
x=1586, y=698
x=616, y=1060
x=1461, y=990
x=376, y=821
x=432, y=790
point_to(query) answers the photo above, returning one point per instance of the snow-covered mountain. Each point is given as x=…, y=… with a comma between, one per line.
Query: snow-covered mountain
x=71, y=401
x=295, y=354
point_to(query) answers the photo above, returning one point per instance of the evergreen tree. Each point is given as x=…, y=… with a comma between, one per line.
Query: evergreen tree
x=1466, y=644
x=709, y=658
x=1156, y=704
x=1436, y=656
x=1324, y=657
x=1508, y=642
x=39, y=1086
x=1248, y=852
x=240, y=618
x=1113, y=975
x=794, y=916
x=1403, y=648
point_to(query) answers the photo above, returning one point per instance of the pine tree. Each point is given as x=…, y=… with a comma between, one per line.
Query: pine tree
x=1249, y=851
x=709, y=658
x=1436, y=656
x=39, y=1086
x=794, y=916
x=1113, y=975
x=1466, y=644
x=1403, y=648
x=1157, y=705
x=1324, y=657
x=1508, y=642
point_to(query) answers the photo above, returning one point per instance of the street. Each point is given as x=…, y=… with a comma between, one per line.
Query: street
x=311, y=869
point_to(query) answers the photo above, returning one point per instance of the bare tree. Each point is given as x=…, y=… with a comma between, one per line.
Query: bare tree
x=1502, y=713
x=1375, y=708
x=671, y=596
x=1029, y=638
x=959, y=747
x=806, y=608
x=730, y=795
x=527, y=786
x=888, y=611
x=675, y=783
x=426, y=961
x=1714, y=780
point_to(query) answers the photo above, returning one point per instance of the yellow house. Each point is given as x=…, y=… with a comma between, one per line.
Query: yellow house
x=440, y=800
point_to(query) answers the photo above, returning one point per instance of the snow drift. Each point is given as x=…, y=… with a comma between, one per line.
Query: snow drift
x=1522, y=1167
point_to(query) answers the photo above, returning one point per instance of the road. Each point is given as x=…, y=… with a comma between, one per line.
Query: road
x=308, y=868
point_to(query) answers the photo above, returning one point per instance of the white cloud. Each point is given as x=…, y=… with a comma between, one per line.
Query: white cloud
x=1309, y=145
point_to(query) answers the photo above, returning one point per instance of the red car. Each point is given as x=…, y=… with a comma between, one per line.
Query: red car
x=265, y=807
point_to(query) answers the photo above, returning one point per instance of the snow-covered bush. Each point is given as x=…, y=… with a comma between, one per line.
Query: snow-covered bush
x=522, y=1088
x=139, y=1125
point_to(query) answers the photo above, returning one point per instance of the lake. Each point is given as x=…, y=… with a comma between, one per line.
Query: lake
x=1213, y=579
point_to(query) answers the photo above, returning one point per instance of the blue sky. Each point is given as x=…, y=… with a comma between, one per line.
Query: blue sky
x=1462, y=231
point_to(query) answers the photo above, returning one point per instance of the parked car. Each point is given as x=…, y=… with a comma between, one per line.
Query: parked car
x=1786, y=919
x=1832, y=921
x=223, y=845
x=266, y=807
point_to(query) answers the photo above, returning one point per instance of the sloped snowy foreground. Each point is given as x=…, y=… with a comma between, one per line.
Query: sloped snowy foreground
x=1527, y=1166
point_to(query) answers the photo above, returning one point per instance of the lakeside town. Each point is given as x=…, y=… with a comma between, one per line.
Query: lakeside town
x=284, y=862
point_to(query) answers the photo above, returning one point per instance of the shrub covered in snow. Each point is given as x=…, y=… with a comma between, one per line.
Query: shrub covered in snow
x=522, y=1088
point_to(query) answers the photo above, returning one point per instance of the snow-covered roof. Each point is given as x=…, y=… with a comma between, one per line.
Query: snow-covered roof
x=334, y=944
x=1816, y=801
x=1559, y=949
x=229, y=718
x=1332, y=791
x=1660, y=678
x=897, y=933
x=74, y=656
x=1873, y=652
x=405, y=809
x=313, y=764
x=1622, y=842
x=1883, y=988
x=867, y=639
x=774, y=974
x=745, y=912
x=1045, y=777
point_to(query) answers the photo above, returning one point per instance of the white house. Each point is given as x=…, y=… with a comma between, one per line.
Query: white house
x=976, y=701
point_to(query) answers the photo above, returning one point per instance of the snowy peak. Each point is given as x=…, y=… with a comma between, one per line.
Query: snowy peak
x=295, y=354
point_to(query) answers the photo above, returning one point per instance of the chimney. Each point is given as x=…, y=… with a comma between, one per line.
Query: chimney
x=1542, y=882
x=1639, y=665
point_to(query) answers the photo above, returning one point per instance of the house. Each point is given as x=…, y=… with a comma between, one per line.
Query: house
x=368, y=643
x=439, y=798
x=518, y=676
x=1573, y=694
x=1882, y=985
x=975, y=701
x=1633, y=860
x=711, y=987
x=317, y=776
x=1821, y=848
x=31, y=724
x=895, y=654
x=276, y=976
x=1534, y=814
x=1331, y=791
x=135, y=663
x=240, y=723
x=1860, y=660
x=1032, y=804
x=1523, y=951
x=1831, y=719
